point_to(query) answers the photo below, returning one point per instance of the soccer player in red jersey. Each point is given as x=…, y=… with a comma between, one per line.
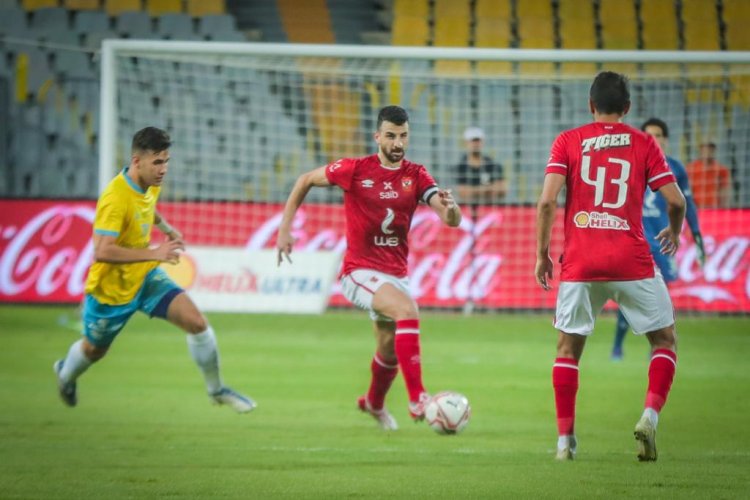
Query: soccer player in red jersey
x=605, y=167
x=381, y=193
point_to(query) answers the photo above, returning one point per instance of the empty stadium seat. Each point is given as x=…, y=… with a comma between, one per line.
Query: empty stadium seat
x=134, y=24
x=81, y=4
x=451, y=32
x=53, y=18
x=493, y=9
x=216, y=24
x=13, y=22
x=659, y=21
x=701, y=26
x=117, y=7
x=176, y=26
x=493, y=32
x=736, y=17
x=159, y=7
x=90, y=20
x=411, y=8
x=577, y=25
x=31, y=5
x=619, y=24
x=198, y=8
x=410, y=30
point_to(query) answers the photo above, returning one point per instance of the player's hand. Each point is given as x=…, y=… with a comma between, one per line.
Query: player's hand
x=700, y=248
x=446, y=198
x=174, y=234
x=668, y=241
x=284, y=244
x=169, y=251
x=543, y=271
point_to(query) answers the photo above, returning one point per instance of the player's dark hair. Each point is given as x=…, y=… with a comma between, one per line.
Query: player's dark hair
x=655, y=122
x=151, y=139
x=394, y=114
x=610, y=93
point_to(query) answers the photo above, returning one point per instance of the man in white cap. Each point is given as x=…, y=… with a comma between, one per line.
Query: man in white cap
x=480, y=180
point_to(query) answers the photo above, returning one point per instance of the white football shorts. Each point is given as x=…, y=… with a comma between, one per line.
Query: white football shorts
x=359, y=288
x=644, y=303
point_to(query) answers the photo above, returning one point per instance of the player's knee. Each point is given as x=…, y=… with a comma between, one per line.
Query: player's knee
x=196, y=323
x=93, y=352
x=664, y=338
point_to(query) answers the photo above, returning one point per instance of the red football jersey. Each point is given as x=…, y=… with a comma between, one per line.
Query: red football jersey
x=379, y=203
x=607, y=168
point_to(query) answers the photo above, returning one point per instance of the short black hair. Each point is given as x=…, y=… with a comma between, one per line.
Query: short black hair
x=655, y=122
x=394, y=114
x=151, y=139
x=610, y=92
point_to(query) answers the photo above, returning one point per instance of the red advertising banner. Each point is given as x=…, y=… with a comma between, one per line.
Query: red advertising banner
x=45, y=250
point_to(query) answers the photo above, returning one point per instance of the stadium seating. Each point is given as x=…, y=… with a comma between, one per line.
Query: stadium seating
x=116, y=7
x=700, y=26
x=81, y=4
x=660, y=28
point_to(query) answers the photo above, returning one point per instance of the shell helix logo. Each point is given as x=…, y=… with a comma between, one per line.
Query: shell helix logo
x=600, y=220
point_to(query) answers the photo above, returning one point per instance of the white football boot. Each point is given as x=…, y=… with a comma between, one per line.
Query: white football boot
x=232, y=398
x=384, y=419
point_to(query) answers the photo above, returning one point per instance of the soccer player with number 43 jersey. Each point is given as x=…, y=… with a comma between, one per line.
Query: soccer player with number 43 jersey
x=605, y=167
x=126, y=277
x=381, y=193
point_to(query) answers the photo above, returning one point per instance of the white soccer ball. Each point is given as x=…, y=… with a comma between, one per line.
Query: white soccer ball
x=448, y=412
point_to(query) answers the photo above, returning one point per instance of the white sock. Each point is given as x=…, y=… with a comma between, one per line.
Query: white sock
x=567, y=441
x=203, y=349
x=75, y=363
x=652, y=415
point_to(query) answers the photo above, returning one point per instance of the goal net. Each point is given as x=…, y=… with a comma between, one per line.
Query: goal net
x=247, y=119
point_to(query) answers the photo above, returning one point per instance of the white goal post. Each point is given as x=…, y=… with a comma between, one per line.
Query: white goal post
x=248, y=118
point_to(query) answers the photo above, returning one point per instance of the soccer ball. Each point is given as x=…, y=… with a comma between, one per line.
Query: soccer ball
x=448, y=412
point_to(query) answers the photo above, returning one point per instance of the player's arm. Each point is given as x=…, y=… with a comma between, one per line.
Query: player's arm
x=164, y=226
x=545, y=217
x=284, y=239
x=691, y=213
x=107, y=250
x=446, y=207
x=669, y=237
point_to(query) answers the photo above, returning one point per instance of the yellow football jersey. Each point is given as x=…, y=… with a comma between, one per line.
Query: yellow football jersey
x=124, y=211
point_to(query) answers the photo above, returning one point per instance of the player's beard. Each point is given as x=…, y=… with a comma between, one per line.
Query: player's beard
x=394, y=155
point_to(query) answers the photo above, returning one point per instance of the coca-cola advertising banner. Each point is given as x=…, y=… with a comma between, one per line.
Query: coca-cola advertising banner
x=45, y=250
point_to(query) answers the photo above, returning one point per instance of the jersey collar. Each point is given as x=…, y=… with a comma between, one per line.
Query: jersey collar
x=131, y=182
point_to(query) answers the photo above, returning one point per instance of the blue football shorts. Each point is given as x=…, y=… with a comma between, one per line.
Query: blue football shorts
x=102, y=322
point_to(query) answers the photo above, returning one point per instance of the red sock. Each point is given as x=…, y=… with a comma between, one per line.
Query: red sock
x=565, y=382
x=407, y=352
x=660, y=375
x=382, y=377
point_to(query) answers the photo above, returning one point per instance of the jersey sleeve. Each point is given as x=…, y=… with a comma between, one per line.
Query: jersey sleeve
x=691, y=212
x=340, y=173
x=558, y=157
x=658, y=173
x=110, y=215
x=426, y=185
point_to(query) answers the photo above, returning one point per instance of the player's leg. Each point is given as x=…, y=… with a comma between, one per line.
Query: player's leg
x=384, y=368
x=387, y=297
x=393, y=302
x=575, y=316
x=101, y=324
x=621, y=329
x=647, y=306
x=162, y=298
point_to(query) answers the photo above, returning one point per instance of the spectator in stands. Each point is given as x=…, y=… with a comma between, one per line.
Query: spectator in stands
x=480, y=180
x=710, y=179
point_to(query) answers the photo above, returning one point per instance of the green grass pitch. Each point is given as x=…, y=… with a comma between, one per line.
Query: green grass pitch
x=144, y=427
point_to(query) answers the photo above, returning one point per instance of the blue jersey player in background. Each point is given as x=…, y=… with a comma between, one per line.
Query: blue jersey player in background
x=655, y=219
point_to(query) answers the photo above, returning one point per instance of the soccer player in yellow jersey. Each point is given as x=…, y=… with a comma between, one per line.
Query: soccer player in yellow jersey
x=125, y=276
